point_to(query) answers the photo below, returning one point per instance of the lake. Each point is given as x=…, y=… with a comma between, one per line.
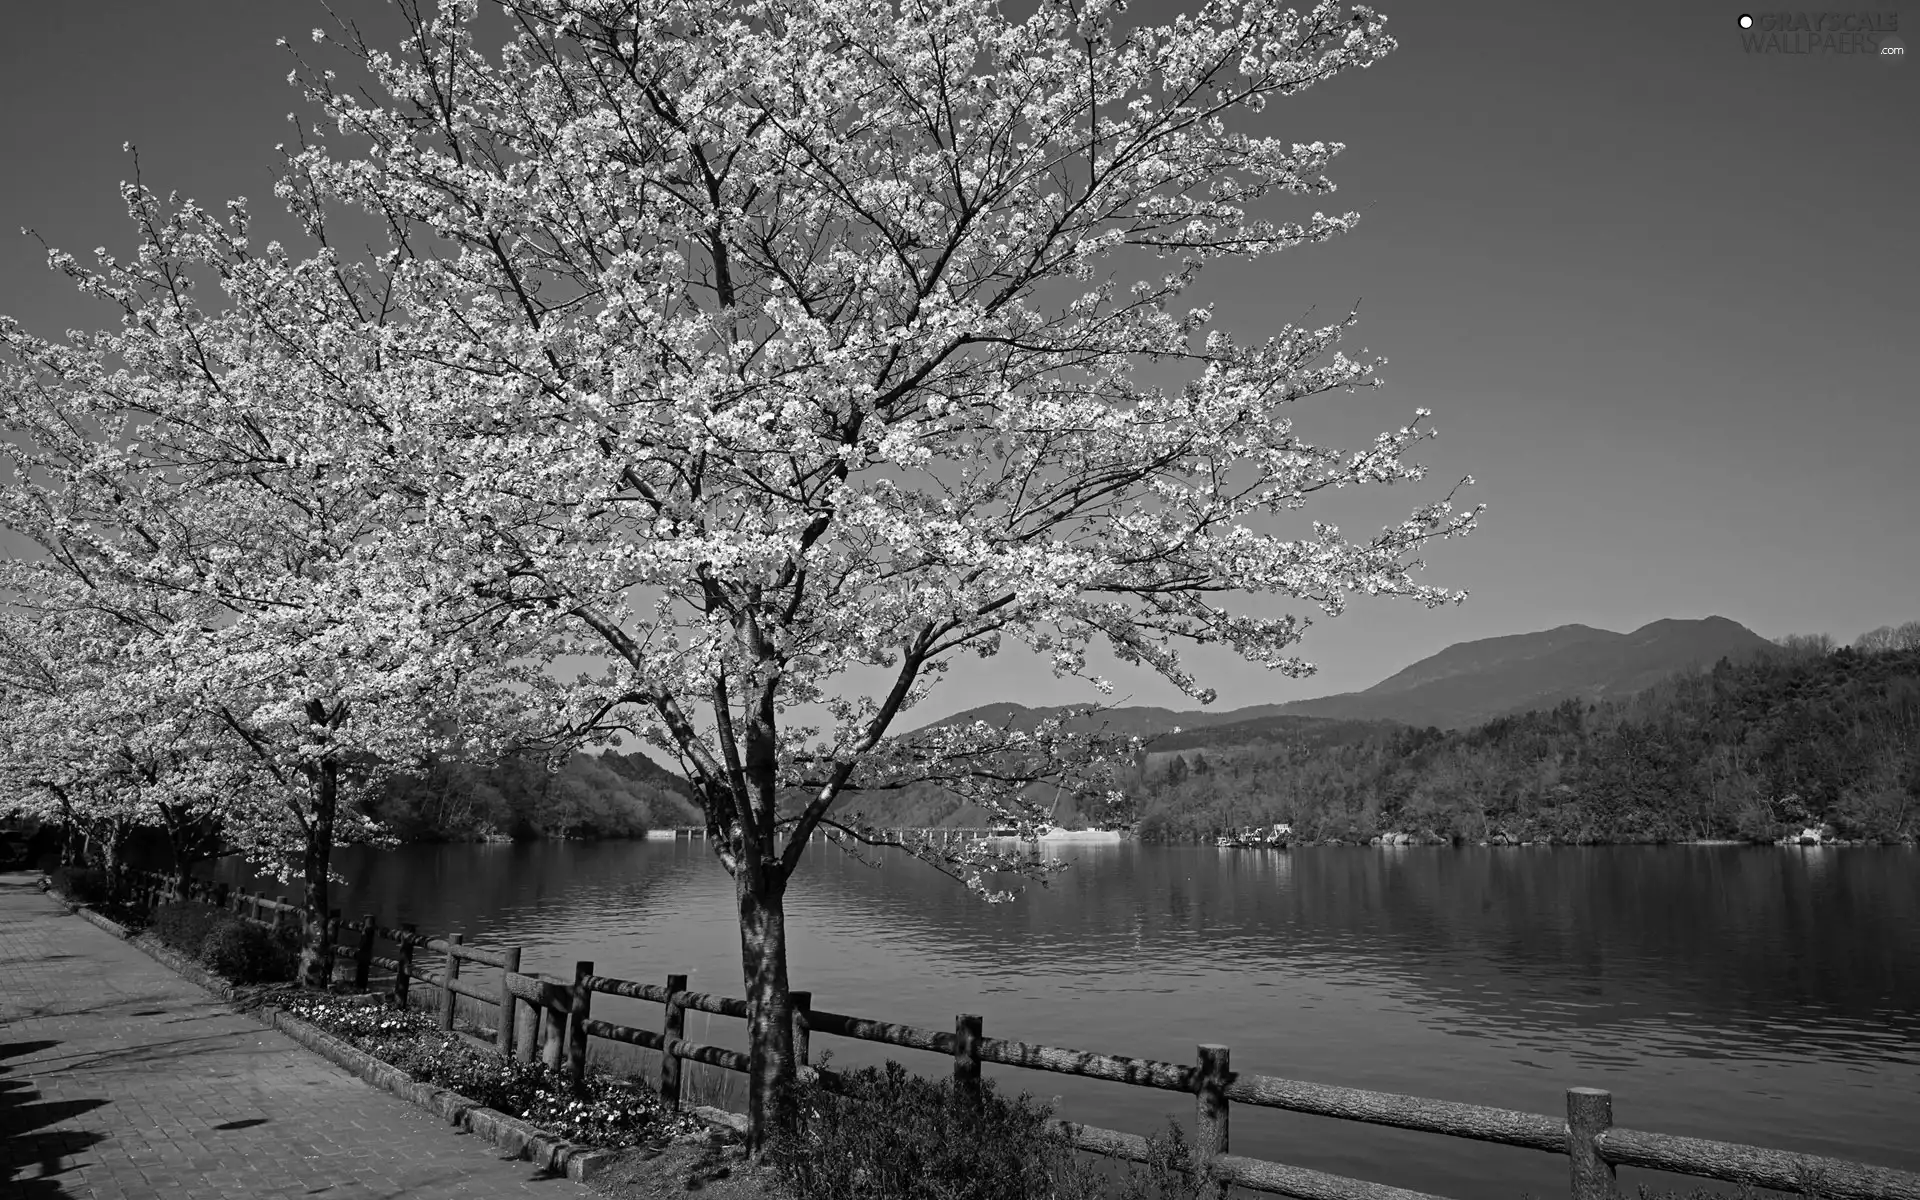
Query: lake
x=1755, y=994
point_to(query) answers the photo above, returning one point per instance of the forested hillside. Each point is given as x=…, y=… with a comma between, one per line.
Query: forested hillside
x=612, y=795
x=1741, y=751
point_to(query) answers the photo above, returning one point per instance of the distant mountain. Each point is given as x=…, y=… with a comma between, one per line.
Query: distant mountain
x=1465, y=684
x=1472, y=682
x=1131, y=721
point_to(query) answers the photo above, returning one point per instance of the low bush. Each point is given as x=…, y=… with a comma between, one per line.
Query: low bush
x=890, y=1135
x=885, y=1134
x=184, y=927
x=248, y=953
x=82, y=885
x=226, y=943
x=1166, y=1175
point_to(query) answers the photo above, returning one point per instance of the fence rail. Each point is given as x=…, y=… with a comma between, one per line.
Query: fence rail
x=553, y=1018
x=1534, y=1131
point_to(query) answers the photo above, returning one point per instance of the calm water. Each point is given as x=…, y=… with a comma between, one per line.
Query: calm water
x=1751, y=994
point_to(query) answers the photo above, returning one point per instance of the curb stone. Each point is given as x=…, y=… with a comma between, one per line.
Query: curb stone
x=510, y=1134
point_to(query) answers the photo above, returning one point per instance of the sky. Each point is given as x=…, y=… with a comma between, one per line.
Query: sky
x=1660, y=292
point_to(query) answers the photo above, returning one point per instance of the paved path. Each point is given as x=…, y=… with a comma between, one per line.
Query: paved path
x=121, y=1081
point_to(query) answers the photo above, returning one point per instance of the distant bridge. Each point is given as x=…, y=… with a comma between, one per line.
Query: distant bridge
x=939, y=835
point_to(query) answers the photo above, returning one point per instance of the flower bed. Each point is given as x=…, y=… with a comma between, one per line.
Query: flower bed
x=611, y=1113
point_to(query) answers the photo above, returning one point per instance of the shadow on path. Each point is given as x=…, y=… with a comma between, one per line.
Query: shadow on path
x=31, y=1154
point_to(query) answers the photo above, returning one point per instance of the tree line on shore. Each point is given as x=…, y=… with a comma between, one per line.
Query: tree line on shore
x=1753, y=751
x=1813, y=736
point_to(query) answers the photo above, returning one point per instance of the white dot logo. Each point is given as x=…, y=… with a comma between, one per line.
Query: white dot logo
x=1746, y=22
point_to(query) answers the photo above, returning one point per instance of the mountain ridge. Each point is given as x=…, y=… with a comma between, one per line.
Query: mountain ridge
x=1465, y=684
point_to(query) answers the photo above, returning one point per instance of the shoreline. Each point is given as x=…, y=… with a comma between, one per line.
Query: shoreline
x=1548, y=843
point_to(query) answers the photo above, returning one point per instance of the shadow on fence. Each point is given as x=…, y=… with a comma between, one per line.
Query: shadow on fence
x=552, y=1018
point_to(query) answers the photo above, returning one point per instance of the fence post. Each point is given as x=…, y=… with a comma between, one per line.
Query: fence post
x=802, y=1003
x=526, y=1030
x=452, y=972
x=580, y=1008
x=503, y=1036
x=333, y=944
x=405, y=972
x=1210, y=1079
x=553, y=1024
x=363, y=954
x=1589, y=1113
x=966, y=1063
x=672, y=1028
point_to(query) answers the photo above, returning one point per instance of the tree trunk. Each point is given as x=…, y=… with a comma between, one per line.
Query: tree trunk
x=183, y=845
x=113, y=857
x=763, y=955
x=183, y=865
x=316, y=949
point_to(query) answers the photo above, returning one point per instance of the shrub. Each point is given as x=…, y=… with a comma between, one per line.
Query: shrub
x=890, y=1135
x=1166, y=1174
x=185, y=927
x=249, y=953
x=82, y=885
x=226, y=943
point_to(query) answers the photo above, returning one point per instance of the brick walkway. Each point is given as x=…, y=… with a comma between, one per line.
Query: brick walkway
x=121, y=1081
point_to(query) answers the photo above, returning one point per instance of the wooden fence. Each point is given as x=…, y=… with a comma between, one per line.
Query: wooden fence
x=554, y=1019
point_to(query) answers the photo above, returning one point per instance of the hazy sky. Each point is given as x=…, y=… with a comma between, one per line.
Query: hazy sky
x=1661, y=293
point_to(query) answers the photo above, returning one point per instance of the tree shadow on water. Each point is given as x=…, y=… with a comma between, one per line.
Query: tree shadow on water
x=33, y=1155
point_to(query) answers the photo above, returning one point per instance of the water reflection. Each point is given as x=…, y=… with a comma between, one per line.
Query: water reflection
x=1753, y=994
